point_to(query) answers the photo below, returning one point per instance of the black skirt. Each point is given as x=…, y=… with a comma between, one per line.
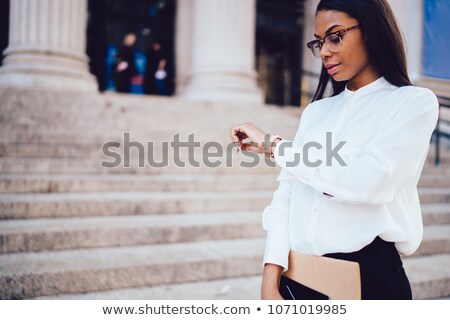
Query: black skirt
x=382, y=273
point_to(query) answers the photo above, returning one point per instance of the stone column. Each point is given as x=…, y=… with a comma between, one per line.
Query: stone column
x=183, y=44
x=47, y=42
x=410, y=18
x=311, y=65
x=223, y=52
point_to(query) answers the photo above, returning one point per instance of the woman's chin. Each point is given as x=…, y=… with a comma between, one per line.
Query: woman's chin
x=338, y=77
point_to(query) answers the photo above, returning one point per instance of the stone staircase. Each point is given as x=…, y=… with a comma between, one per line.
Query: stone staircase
x=71, y=229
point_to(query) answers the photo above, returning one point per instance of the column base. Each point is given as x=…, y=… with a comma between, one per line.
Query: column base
x=36, y=70
x=45, y=81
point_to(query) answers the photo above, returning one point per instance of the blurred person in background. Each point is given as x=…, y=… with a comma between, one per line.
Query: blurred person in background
x=155, y=72
x=125, y=66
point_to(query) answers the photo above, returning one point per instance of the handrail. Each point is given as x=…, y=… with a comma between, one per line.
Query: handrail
x=438, y=133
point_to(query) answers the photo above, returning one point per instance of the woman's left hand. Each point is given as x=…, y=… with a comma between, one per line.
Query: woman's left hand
x=249, y=130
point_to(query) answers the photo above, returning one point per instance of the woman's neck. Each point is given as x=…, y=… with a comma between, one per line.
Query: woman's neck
x=363, y=78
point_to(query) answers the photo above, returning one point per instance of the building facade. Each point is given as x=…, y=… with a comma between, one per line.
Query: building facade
x=230, y=51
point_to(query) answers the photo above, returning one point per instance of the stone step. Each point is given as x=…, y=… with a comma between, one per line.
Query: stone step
x=239, y=164
x=75, y=233
x=87, y=148
x=15, y=100
x=42, y=114
x=96, y=106
x=436, y=240
x=79, y=147
x=434, y=195
x=63, y=183
x=42, y=183
x=64, y=135
x=29, y=206
x=89, y=232
x=444, y=155
x=443, y=161
x=429, y=278
x=436, y=214
x=66, y=150
x=434, y=180
x=25, y=206
x=143, y=126
x=241, y=288
x=86, y=141
x=429, y=167
x=26, y=134
x=58, y=274
x=27, y=275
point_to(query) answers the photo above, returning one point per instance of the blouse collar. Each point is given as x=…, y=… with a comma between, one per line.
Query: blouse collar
x=371, y=87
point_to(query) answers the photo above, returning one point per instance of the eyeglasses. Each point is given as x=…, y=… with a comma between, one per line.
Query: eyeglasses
x=333, y=41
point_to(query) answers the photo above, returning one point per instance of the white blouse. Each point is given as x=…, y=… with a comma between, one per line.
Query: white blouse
x=382, y=135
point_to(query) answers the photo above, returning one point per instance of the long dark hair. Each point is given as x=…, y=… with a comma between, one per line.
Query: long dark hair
x=382, y=38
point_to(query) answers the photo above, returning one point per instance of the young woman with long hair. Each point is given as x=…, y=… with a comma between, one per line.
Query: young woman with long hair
x=363, y=205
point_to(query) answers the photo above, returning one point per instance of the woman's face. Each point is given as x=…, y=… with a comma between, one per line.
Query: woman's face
x=352, y=59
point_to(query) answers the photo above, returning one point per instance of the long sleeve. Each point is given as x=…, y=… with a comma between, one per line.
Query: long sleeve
x=375, y=171
x=275, y=221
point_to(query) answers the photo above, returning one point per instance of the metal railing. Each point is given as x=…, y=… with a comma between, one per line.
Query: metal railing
x=438, y=133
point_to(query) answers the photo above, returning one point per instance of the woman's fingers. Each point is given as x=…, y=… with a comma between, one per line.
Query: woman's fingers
x=238, y=133
x=248, y=136
x=244, y=131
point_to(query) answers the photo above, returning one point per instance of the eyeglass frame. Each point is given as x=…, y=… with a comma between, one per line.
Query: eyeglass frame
x=339, y=33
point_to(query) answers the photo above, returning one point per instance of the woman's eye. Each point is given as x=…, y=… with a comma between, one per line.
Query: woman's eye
x=334, y=39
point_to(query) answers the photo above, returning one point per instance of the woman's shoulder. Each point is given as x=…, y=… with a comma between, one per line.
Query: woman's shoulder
x=417, y=99
x=412, y=92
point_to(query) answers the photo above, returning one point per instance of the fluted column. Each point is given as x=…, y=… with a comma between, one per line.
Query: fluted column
x=183, y=44
x=223, y=52
x=311, y=65
x=47, y=42
x=410, y=18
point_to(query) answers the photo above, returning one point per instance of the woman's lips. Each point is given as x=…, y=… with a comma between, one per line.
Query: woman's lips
x=333, y=69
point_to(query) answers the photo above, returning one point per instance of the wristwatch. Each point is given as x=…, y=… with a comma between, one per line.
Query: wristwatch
x=270, y=147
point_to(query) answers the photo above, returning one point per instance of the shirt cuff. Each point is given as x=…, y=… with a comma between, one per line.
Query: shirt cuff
x=288, y=156
x=277, y=246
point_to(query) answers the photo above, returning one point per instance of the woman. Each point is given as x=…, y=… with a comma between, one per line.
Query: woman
x=363, y=205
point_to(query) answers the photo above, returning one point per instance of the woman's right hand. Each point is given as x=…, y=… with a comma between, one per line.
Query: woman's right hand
x=271, y=295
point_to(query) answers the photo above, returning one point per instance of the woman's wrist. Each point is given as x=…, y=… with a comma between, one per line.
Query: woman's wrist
x=269, y=148
x=271, y=276
x=273, y=146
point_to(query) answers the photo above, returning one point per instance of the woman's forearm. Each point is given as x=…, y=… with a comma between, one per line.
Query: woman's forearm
x=270, y=281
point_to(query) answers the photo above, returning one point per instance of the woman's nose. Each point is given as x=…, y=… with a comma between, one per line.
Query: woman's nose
x=325, y=52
